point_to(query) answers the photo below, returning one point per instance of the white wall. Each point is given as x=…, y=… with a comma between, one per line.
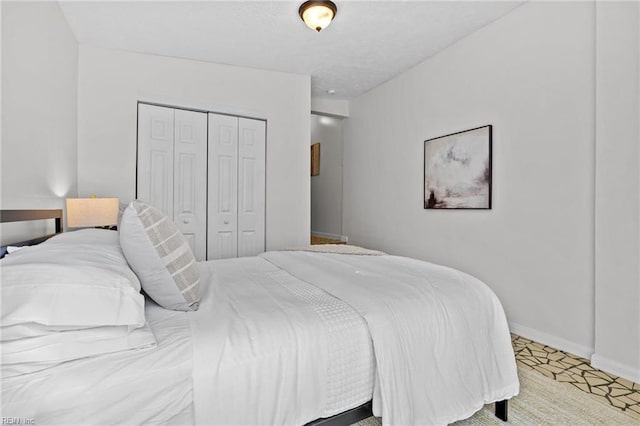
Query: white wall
x=326, y=188
x=111, y=82
x=618, y=189
x=331, y=107
x=531, y=75
x=39, y=110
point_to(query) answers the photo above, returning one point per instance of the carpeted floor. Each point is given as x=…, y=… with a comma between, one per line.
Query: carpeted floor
x=544, y=401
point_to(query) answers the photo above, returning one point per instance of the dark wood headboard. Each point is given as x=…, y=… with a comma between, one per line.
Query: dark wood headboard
x=28, y=215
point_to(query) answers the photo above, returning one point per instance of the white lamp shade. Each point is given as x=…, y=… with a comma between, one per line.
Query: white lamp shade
x=83, y=212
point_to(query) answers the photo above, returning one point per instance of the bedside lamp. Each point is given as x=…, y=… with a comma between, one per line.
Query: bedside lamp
x=85, y=212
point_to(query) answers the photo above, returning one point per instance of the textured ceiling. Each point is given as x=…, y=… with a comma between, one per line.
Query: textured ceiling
x=368, y=43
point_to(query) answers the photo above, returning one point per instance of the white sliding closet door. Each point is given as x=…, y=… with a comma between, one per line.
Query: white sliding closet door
x=172, y=168
x=223, y=186
x=236, y=187
x=251, y=186
x=190, y=179
x=155, y=156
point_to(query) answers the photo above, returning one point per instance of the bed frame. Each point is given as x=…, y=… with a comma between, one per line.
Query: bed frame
x=365, y=410
x=29, y=215
x=349, y=417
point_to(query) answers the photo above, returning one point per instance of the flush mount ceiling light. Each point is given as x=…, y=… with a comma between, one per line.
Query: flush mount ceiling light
x=317, y=14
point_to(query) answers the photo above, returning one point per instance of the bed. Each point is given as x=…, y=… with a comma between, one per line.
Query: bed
x=287, y=337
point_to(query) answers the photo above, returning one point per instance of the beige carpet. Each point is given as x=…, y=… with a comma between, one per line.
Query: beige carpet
x=544, y=401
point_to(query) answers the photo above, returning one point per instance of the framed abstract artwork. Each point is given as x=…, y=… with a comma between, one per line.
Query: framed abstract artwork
x=457, y=170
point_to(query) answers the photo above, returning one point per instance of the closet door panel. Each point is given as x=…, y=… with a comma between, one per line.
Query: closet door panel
x=155, y=156
x=223, y=187
x=190, y=179
x=251, y=187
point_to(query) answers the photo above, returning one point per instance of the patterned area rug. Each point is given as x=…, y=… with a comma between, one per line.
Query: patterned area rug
x=544, y=401
x=568, y=368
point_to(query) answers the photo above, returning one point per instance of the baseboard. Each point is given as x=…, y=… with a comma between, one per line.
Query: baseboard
x=614, y=367
x=551, y=340
x=342, y=238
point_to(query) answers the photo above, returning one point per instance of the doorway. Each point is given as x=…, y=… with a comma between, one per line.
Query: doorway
x=326, y=185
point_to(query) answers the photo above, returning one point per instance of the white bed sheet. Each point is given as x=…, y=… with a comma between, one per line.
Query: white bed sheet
x=134, y=387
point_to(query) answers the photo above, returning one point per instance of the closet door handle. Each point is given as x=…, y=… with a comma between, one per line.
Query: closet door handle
x=186, y=220
x=226, y=222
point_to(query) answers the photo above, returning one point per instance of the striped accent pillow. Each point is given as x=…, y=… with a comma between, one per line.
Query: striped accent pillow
x=161, y=257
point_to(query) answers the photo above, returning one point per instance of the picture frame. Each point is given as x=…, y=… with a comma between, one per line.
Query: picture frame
x=458, y=170
x=315, y=159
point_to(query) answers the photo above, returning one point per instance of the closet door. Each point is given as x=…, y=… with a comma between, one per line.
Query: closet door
x=223, y=187
x=190, y=179
x=251, y=187
x=155, y=156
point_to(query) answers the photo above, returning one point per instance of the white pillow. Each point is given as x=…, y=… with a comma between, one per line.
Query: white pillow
x=121, y=208
x=13, y=249
x=161, y=257
x=86, y=236
x=68, y=295
x=89, y=247
x=33, y=329
x=30, y=354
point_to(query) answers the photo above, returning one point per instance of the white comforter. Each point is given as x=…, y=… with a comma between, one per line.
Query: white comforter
x=440, y=336
x=271, y=349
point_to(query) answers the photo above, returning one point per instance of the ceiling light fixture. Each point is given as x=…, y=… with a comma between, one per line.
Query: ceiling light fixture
x=317, y=15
